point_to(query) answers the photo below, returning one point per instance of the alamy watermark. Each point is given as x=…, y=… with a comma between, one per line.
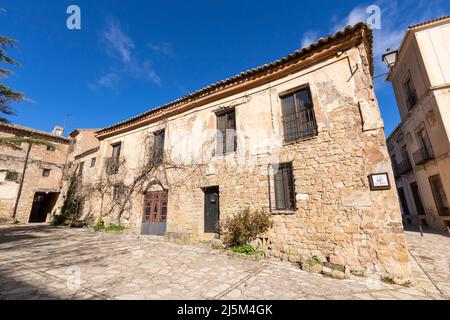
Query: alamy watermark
x=374, y=16
x=73, y=22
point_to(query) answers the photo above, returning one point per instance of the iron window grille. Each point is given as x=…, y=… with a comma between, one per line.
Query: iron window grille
x=440, y=198
x=298, y=116
x=12, y=176
x=284, y=187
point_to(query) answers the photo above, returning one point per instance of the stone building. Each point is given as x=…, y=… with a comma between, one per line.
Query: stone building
x=420, y=145
x=300, y=138
x=30, y=173
x=81, y=173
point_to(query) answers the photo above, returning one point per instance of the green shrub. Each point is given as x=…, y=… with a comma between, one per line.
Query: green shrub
x=313, y=261
x=99, y=225
x=115, y=228
x=247, y=249
x=244, y=227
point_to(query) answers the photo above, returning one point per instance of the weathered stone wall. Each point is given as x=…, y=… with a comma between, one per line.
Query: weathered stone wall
x=337, y=218
x=424, y=58
x=39, y=159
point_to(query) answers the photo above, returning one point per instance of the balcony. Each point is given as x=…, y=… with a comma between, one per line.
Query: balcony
x=423, y=155
x=112, y=165
x=402, y=168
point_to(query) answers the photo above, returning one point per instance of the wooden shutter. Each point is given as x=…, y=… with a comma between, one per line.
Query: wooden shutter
x=221, y=133
x=284, y=187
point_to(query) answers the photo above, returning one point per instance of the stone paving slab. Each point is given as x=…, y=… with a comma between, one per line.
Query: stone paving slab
x=43, y=262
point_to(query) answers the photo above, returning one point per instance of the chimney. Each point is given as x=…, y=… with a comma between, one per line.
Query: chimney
x=58, y=131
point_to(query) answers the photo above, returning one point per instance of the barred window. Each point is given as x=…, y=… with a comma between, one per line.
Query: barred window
x=12, y=176
x=299, y=121
x=440, y=198
x=284, y=187
x=117, y=191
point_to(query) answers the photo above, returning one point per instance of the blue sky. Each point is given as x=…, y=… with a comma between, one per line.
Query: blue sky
x=133, y=55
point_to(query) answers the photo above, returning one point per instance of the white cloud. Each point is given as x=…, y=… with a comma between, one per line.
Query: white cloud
x=165, y=48
x=356, y=15
x=122, y=49
x=109, y=80
x=309, y=37
x=118, y=42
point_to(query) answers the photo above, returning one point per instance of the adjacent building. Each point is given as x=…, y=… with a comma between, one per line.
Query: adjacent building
x=31, y=172
x=301, y=138
x=420, y=146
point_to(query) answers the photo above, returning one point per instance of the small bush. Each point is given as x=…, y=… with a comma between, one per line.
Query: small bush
x=115, y=228
x=58, y=220
x=99, y=225
x=313, y=261
x=247, y=249
x=388, y=280
x=244, y=227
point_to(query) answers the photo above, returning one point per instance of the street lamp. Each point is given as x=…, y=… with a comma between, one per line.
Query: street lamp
x=390, y=58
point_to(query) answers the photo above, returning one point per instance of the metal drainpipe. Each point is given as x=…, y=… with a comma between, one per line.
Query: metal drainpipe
x=19, y=193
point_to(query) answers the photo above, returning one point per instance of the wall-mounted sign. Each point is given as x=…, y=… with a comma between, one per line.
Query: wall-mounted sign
x=379, y=181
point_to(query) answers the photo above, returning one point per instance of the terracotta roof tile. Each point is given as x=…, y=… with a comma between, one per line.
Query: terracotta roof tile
x=246, y=75
x=30, y=131
x=429, y=22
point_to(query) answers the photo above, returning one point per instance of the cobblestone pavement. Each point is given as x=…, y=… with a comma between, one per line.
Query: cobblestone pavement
x=42, y=262
x=431, y=253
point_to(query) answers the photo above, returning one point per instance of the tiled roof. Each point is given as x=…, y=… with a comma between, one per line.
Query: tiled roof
x=429, y=22
x=252, y=73
x=6, y=126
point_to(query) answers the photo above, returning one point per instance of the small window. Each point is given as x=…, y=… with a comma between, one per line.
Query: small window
x=46, y=173
x=158, y=148
x=81, y=168
x=284, y=187
x=226, y=132
x=440, y=198
x=12, y=176
x=299, y=121
x=116, y=149
x=51, y=148
x=93, y=160
x=117, y=191
x=411, y=95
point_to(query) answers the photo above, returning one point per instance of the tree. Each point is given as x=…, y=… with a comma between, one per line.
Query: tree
x=7, y=95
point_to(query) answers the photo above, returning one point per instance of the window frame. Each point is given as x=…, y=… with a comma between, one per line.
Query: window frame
x=297, y=115
x=223, y=143
x=117, y=191
x=288, y=187
x=81, y=168
x=44, y=173
x=158, y=148
x=118, y=145
x=93, y=161
x=409, y=102
x=8, y=178
x=438, y=201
